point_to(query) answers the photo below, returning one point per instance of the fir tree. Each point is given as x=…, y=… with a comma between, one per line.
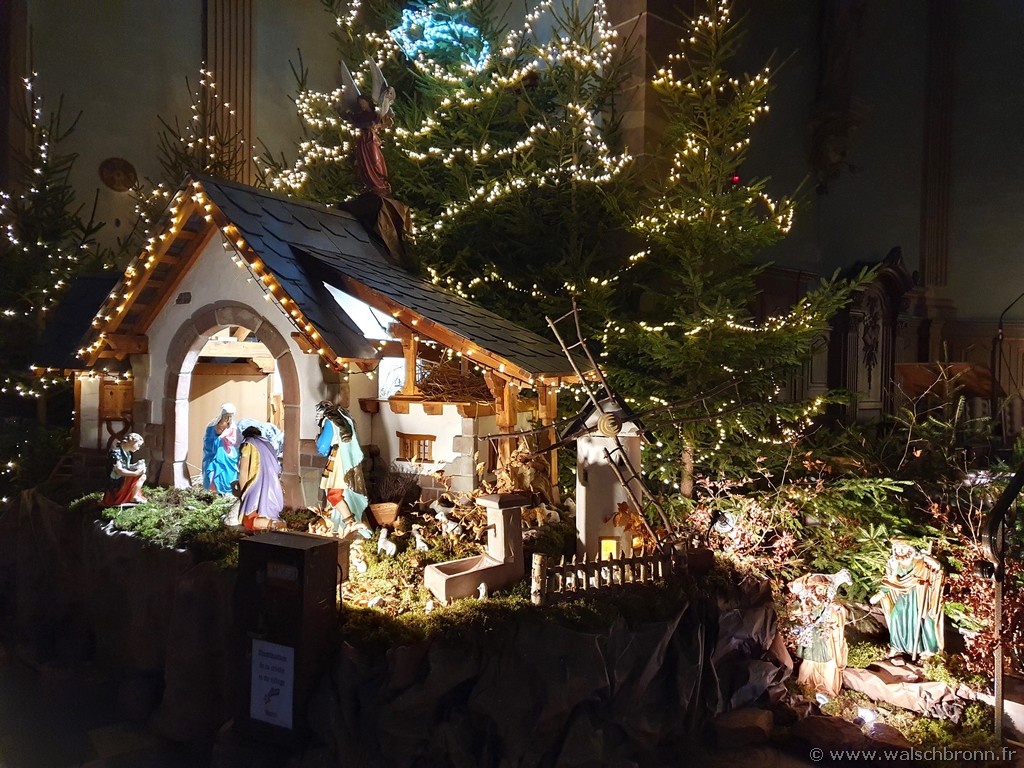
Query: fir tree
x=682, y=336
x=45, y=241
x=502, y=146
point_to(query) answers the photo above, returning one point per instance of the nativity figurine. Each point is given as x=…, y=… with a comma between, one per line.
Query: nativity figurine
x=258, y=486
x=910, y=597
x=342, y=485
x=127, y=474
x=220, y=452
x=368, y=113
x=820, y=630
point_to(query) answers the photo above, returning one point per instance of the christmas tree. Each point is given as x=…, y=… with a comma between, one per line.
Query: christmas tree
x=45, y=241
x=681, y=335
x=501, y=145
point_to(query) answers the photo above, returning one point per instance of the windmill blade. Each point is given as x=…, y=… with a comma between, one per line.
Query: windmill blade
x=580, y=344
x=631, y=480
x=349, y=90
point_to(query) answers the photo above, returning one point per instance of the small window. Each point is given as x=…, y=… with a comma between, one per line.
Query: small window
x=418, y=448
x=609, y=548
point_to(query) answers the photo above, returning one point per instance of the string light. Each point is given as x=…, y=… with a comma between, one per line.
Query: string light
x=570, y=130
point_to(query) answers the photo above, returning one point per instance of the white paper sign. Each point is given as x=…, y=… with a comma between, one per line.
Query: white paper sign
x=273, y=683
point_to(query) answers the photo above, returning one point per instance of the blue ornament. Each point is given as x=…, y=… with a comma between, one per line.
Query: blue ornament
x=441, y=38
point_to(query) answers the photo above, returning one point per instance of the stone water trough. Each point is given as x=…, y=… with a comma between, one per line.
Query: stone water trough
x=500, y=566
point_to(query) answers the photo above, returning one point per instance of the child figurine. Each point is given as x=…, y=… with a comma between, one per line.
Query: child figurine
x=127, y=475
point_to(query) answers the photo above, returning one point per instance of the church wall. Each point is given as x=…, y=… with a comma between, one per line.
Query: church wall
x=987, y=229
x=124, y=65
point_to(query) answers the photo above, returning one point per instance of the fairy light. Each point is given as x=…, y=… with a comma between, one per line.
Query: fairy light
x=571, y=133
x=439, y=40
x=57, y=253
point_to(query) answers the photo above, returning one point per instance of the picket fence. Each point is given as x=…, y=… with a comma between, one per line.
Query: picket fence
x=582, y=575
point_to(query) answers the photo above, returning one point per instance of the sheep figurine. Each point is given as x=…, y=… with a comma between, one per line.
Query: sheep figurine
x=449, y=527
x=385, y=545
x=421, y=545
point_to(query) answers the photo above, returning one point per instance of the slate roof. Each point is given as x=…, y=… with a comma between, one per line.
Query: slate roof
x=306, y=244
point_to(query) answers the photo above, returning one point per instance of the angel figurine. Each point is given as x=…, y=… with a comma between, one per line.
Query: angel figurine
x=820, y=630
x=368, y=113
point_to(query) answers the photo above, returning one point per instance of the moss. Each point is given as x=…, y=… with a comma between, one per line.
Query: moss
x=864, y=653
x=846, y=704
x=172, y=517
x=950, y=669
x=973, y=733
x=478, y=621
x=221, y=546
x=298, y=519
x=177, y=518
x=87, y=505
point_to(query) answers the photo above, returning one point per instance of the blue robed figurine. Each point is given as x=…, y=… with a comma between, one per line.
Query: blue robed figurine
x=220, y=452
x=342, y=481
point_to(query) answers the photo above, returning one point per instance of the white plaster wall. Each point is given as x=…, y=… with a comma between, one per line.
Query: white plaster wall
x=361, y=386
x=446, y=425
x=89, y=413
x=598, y=490
x=214, y=277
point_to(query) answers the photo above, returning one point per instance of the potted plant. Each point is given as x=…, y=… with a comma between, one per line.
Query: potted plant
x=393, y=488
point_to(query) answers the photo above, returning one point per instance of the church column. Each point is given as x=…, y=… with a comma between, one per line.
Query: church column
x=653, y=27
x=936, y=172
x=228, y=51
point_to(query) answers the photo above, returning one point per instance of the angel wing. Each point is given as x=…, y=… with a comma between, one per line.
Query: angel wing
x=349, y=90
x=383, y=94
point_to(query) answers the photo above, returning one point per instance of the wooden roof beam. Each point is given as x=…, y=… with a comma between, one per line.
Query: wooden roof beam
x=418, y=324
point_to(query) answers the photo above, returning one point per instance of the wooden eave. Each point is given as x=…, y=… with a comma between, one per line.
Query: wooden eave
x=148, y=282
x=427, y=328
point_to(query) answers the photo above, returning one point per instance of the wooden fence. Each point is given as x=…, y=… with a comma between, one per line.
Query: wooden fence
x=551, y=578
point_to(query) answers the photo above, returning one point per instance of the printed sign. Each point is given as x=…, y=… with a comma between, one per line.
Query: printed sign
x=273, y=683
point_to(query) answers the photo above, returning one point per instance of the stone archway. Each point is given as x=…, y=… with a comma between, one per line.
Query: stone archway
x=182, y=355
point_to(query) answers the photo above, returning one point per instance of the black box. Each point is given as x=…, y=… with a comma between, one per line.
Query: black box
x=286, y=609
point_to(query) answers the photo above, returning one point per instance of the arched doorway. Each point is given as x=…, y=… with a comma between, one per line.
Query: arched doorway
x=182, y=356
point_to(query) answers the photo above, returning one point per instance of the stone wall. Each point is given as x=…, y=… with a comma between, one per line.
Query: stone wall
x=529, y=694
x=75, y=592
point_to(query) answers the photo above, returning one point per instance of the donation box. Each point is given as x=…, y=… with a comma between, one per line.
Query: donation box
x=287, y=611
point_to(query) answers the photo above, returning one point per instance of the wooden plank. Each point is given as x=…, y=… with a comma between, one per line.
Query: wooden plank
x=125, y=344
x=475, y=410
x=547, y=413
x=229, y=347
x=248, y=368
x=137, y=274
x=433, y=331
x=189, y=256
